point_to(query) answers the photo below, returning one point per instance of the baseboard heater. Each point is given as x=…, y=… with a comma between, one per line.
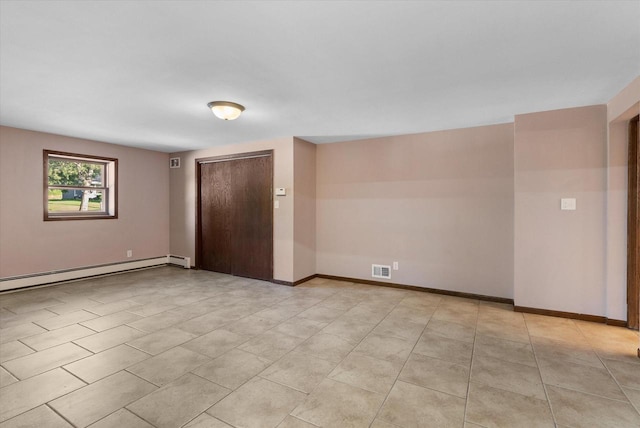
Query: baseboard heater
x=181, y=261
x=43, y=278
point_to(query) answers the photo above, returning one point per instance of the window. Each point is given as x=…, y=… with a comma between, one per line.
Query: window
x=78, y=187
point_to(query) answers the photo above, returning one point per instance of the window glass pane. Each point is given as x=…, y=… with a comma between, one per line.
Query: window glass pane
x=76, y=200
x=64, y=172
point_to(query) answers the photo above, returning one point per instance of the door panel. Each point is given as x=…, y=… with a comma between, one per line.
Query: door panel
x=236, y=218
x=252, y=232
x=216, y=214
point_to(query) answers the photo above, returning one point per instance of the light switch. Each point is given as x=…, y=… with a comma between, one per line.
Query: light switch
x=568, y=204
x=281, y=191
x=276, y=204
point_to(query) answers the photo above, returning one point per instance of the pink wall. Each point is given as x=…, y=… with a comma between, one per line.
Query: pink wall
x=439, y=203
x=183, y=201
x=30, y=245
x=560, y=255
x=304, y=223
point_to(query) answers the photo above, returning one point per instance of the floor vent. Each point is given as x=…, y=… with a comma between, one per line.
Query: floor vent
x=380, y=271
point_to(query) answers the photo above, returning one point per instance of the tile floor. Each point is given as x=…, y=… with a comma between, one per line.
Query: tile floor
x=168, y=347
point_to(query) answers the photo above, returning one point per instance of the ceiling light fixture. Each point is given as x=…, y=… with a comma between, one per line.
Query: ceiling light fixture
x=226, y=110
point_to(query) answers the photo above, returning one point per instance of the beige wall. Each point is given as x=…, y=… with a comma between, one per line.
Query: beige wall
x=30, y=245
x=560, y=255
x=183, y=201
x=304, y=224
x=440, y=203
x=620, y=109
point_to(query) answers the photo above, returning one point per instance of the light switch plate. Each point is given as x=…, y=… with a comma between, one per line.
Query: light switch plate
x=568, y=204
x=281, y=191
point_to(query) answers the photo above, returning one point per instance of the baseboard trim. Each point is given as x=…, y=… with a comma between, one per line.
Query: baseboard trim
x=423, y=289
x=616, y=323
x=293, y=284
x=53, y=277
x=309, y=278
x=571, y=315
x=280, y=282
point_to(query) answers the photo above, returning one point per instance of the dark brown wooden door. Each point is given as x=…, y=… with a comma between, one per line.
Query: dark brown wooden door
x=633, y=229
x=216, y=215
x=236, y=217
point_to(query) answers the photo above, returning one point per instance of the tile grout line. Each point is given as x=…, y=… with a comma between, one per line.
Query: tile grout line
x=608, y=371
x=544, y=385
x=347, y=355
x=57, y=413
x=386, y=398
x=473, y=351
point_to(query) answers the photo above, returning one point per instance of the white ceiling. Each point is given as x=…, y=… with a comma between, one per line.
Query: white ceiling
x=140, y=73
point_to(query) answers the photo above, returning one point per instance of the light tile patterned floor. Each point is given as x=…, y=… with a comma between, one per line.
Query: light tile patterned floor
x=169, y=347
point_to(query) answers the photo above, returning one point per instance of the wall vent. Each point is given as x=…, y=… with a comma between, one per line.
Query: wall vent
x=174, y=163
x=381, y=271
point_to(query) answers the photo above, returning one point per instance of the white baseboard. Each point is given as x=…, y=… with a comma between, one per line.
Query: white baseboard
x=21, y=281
x=184, y=262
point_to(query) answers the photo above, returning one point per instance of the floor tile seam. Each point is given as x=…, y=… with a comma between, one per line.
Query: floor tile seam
x=602, y=361
x=44, y=372
x=296, y=417
x=99, y=332
x=98, y=353
x=25, y=322
x=386, y=398
x=293, y=350
x=544, y=385
x=433, y=332
x=625, y=401
x=434, y=389
x=116, y=411
x=511, y=391
x=33, y=349
x=386, y=422
x=506, y=340
x=473, y=350
x=544, y=361
x=442, y=359
x=57, y=413
x=453, y=322
x=134, y=413
x=192, y=372
x=221, y=419
x=13, y=375
x=307, y=394
x=67, y=325
x=621, y=387
x=628, y=361
x=53, y=368
x=197, y=416
x=104, y=315
x=634, y=405
x=511, y=362
x=633, y=388
x=53, y=399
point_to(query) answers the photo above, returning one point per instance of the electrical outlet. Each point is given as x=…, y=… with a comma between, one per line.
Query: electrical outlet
x=129, y=253
x=395, y=266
